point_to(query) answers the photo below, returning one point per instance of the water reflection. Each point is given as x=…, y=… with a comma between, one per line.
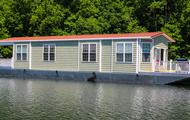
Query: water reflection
x=29, y=99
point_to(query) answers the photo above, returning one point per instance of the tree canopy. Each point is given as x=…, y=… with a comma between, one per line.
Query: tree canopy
x=63, y=17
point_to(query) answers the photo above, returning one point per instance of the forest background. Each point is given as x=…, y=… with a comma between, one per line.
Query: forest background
x=66, y=17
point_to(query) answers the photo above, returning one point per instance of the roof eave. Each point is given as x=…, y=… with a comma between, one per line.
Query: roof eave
x=81, y=39
x=6, y=43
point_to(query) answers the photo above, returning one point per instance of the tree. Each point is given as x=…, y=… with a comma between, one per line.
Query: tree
x=62, y=17
x=185, y=28
x=47, y=18
x=6, y=51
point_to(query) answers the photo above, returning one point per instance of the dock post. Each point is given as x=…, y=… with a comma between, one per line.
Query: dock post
x=170, y=65
x=12, y=63
x=189, y=67
x=176, y=66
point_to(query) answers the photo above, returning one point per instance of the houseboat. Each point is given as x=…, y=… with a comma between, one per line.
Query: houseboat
x=120, y=53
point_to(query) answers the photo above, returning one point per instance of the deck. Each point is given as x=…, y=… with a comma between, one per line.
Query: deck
x=175, y=75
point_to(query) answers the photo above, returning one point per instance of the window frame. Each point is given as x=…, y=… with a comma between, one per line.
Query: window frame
x=49, y=45
x=21, y=57
x=88, y=52
x=124, y=52
x=150, y=43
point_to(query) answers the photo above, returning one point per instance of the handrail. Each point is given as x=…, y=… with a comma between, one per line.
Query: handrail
x=172, y=66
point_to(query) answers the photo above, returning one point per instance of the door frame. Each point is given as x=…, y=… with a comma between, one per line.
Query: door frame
x=158, y=63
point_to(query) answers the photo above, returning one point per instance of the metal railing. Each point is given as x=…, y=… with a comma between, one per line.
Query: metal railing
x=173, y=66
x=6, y=63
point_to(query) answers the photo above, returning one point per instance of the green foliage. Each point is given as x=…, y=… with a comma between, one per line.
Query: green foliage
x=6, y=52
x=62, y=17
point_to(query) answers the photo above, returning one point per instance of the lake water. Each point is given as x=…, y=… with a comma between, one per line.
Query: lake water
x=63, y=100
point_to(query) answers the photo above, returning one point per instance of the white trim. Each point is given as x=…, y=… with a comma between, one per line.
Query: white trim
x=164, y=59
x=189, y=67
x=100, y=57
x=137, y=56
x=79, y=55
x=13, y=57
x=89, y=43
x=48, y=53
x=27, y=54
x=30, y=56
x=142, y=51
x=164, y=64
x=112, y=52
x=124, y=43
x=153, y=59
x=171, y=61
x=55, y=53
x=83, y=39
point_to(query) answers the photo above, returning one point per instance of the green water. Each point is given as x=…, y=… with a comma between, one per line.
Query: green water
x=63, y=100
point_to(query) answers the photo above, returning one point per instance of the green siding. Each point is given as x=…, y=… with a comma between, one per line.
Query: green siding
x=146, y=67
x=66, y=56
x=161, y=42
x=21, y=64
x=124, y=67
x=106, y=55
x=90, y=66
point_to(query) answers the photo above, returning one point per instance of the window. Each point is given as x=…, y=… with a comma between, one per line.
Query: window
x=146, y=52
x=89, y=52
x=120, y=52
x=49, y=52
x=21, y=52
x=124, y=52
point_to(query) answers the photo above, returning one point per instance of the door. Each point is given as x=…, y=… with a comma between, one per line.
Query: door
x=159, y=59
x=156, y=59
x=162, y=57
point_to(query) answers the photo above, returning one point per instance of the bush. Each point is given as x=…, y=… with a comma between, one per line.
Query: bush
x=6, y=52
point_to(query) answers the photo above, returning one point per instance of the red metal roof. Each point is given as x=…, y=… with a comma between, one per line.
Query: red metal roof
x=86, y=37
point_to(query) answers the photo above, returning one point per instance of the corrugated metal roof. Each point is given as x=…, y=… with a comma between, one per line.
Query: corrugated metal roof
x=89, y=37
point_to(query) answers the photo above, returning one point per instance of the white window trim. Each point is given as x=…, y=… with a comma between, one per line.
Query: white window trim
x=78, y=60
x=21, y=52
x=48, y=53
x=88, y=52
x=138, y=55
x=150, y=51
x=13, y=57
x=124, y=52
x=30, y=55
x=112, y=55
